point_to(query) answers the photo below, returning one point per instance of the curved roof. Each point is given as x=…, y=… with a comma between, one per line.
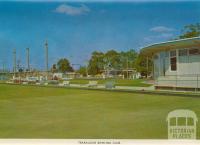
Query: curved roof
x=170, y=45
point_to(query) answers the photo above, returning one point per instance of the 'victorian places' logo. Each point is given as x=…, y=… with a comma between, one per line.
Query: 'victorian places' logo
x=182, y=124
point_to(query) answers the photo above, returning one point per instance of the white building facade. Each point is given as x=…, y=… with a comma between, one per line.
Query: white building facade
x=176, y=63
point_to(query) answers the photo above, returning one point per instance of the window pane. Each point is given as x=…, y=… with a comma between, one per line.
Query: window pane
x=194, y=51
x=173, y=53
x=173, y=64
x=183, y=52
x=166, y=54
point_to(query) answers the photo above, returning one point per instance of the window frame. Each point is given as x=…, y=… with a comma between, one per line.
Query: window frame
x=173, y=56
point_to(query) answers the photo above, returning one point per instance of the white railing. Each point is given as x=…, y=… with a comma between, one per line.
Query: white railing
x=182, y=81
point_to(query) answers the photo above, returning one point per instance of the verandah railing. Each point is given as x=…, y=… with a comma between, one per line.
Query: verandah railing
x=180, y=81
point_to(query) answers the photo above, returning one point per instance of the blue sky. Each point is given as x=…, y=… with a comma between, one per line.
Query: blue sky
x=75, y=29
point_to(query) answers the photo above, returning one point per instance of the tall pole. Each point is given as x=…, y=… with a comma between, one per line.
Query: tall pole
x=46, y=53
x=28, y=59
x=14, y=61
x=147, y=66
x=127, y=67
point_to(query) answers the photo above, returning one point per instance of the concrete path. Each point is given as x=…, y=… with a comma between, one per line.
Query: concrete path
x=151, y=88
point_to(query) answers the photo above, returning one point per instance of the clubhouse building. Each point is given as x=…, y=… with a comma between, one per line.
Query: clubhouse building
x=176, y=64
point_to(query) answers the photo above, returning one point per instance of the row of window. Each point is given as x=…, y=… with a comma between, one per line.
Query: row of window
x=181, y=52
x=193, y=51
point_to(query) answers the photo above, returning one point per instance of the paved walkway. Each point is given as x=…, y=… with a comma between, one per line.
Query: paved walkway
x=151, y=88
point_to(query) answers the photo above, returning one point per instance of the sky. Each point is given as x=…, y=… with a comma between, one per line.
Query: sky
x=74, y=29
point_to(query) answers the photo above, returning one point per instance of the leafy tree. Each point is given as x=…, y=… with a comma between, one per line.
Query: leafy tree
x=20, y=70
x=189, y=31
x=112, y=59
x=96, y=63
x=141, y=65
x=83, y=70
x=64, y=65
x=54, y=68
x=128, y=59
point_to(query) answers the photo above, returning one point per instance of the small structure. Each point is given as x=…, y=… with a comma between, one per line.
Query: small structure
x=57, y=76
x=64, y=83
x=129, y=73
x=71, y=75
x=110, y=85
x=176, y=64
x=92, y=84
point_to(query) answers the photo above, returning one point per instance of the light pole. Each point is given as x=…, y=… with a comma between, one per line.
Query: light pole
x=46, y=55
x=28, y=59
x=86, y=67
x=127, y=67
x=14, y=61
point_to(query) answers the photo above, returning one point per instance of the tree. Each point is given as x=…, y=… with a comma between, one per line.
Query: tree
x=96, y=63
x=127, y=59
x=141, y=65
x=54, y=68
x=64, y=65
x=112, y=58
x=82, y=70
x=189, y=31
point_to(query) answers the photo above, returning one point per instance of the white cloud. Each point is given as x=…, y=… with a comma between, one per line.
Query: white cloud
x=166, y=35
x=72, y=10
x=162, y=29
x=157, y=38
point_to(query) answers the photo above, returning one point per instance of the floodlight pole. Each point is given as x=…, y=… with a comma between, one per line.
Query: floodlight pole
x=14, y=61
x=46, y=53
x=28, y=58
x=127, y=67
x=147, y=66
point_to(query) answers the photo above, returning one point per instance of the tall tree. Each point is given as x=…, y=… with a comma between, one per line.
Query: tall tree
x=96, y=63
x=128, y=59
x=112, y=59
x=143, y=65
x=53, y=68
x=82, y=70
x=64, y=65
x=189, y=31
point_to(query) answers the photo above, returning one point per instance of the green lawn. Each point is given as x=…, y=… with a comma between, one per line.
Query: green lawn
x=118, y=82
x=42, y=112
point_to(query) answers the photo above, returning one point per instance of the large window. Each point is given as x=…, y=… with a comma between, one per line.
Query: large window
x=173, y=60
x=194, y=51
x=183, y=52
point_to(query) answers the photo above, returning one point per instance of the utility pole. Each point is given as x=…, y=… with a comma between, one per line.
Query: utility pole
x=18, y=64
x=147, y=66
x=28, y=59
x=14, y=61
x=46, y=53
x=127, y=66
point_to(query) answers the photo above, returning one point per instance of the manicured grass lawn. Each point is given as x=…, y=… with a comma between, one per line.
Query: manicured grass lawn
x=41, y=112
x=118, y=82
